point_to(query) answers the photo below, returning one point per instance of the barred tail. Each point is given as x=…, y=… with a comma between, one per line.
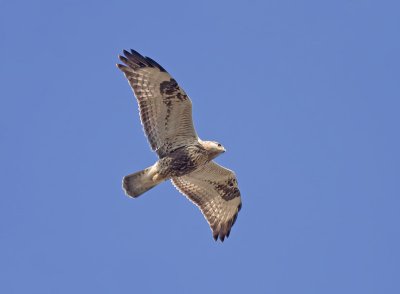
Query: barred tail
x=137, y=183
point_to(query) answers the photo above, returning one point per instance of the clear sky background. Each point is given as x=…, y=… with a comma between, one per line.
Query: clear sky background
x=305, y=96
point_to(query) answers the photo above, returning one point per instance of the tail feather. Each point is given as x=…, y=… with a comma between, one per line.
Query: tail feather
x=137, y=183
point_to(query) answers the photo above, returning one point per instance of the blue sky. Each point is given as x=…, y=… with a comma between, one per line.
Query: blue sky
x=304, y=95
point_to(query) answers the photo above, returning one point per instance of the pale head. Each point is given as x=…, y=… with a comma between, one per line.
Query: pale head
x=214, y=148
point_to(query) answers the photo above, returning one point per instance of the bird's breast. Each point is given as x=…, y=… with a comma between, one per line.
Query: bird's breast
x=184, y=160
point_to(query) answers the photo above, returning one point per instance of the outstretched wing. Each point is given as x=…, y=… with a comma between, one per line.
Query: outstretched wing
x=215, y=191
x=165, y=109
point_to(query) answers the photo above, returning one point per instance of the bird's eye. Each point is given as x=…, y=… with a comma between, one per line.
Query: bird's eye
x=219, y=145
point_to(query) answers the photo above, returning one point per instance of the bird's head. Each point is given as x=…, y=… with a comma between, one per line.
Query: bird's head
x=214, y=148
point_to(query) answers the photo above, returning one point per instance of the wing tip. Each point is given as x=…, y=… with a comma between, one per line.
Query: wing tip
x=120, y=66
x=223, y=230
x=123, y=59
x=135, y=60
x=155, y=64
x=126, y=53
x=221, y=236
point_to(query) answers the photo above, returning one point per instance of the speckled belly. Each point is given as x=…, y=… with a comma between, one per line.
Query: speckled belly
x=182, y=161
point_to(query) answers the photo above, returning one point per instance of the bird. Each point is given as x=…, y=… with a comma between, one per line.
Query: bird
x=166, y=116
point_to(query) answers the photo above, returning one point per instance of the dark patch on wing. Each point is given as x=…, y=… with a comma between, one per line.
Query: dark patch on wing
x=220, y=227
x=228, y=190
x=228, y=193
x=170, y=90
x=160, y=114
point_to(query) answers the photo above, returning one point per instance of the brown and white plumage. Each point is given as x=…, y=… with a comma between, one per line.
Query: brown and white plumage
x=165, y=109
x=214, y=190
x=166, y=116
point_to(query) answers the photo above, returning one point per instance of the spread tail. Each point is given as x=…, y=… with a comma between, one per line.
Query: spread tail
x=137, y=183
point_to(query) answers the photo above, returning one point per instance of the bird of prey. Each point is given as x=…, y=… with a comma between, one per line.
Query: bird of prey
x=186, y=160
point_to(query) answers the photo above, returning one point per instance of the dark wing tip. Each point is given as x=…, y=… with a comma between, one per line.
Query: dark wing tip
x=135, y=60
x=121, y=66
x=123, y=59
x=224, y=230
x=155, y=64
x=221, y=233
x=134, y=52
x=127, y=53
x=125, y=69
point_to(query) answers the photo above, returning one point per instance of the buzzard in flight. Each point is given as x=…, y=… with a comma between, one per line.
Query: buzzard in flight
x=186, y=160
